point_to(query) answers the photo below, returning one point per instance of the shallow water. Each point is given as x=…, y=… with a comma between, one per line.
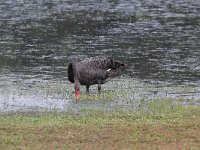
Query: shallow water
x=159, y=40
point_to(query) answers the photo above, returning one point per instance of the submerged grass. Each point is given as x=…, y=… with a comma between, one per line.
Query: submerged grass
x=119, y=91
x=121, y=88
x=108, y=96
x=158, y=124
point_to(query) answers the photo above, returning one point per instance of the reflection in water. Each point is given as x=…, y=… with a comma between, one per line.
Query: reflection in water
x=159, y=40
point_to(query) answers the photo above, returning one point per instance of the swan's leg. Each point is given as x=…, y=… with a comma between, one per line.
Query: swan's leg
x=87, y=89
x=99, y=88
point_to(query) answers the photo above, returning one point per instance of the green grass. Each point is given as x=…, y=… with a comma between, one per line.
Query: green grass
x=157, y=124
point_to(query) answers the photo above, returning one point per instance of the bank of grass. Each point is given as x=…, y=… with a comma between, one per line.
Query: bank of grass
x=158, y=124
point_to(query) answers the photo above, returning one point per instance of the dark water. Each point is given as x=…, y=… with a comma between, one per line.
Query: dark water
x=158, y=39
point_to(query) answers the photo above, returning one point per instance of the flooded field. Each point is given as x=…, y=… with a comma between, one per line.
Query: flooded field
x=159, y=40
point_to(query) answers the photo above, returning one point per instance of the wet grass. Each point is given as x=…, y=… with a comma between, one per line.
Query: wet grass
x=120, y=88
x=156, y=124
x=125, y=89
x=107, y=96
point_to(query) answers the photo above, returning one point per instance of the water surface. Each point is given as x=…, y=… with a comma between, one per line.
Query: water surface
x=159, y=40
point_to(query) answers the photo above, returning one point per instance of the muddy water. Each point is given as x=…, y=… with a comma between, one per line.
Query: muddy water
x=159, y=40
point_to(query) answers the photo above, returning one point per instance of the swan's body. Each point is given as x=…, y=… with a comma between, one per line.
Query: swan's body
x=93, y=70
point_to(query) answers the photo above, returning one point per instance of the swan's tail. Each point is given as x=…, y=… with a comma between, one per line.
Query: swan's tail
x=72, y=70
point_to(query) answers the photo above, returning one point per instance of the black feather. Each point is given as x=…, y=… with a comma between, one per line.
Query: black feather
x=94, y=70
x=71, y=73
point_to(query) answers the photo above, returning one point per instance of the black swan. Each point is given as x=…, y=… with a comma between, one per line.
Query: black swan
x=93, y=70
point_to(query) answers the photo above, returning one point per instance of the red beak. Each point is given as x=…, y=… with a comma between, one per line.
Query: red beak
x=77, y=95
